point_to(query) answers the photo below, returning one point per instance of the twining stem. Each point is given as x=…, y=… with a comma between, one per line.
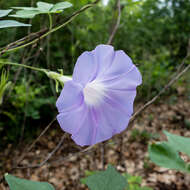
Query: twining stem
x=50, y=21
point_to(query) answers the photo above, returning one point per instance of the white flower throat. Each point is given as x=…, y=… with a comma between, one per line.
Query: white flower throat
x=94, y=93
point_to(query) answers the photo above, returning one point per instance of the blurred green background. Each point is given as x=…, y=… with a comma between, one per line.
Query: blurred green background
x=154, y=33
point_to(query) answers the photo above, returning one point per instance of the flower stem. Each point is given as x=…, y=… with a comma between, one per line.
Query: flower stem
x=22, y=65
x=50, y=21
x=51, y=74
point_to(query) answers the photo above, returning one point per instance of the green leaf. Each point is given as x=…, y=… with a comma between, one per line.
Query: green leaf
x=25, y=13
x=60, y=6
x=5, y=12
x=25, y=8
x=44, y=7
x=106, y=180
x=181, y=144
x=164, y=155
x=11, y=23
x=16, y=183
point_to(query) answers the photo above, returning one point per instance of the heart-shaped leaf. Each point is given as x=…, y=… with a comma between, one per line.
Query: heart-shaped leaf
x=181, y=144
x=104, y=180
x=11, y=23
x=16, y=183
x=164, y=155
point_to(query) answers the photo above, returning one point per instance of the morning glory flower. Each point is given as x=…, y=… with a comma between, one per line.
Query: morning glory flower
x=97, y=102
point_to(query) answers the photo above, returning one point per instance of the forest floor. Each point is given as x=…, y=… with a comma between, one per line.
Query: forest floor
x=172, y=114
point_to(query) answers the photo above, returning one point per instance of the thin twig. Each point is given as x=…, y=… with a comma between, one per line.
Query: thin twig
x=21, y=41
x=183, y=62
x=115, y=27
x=60, y=161
x=171, y=82
x=36, y=140
x=175, y=77
x=48, y=156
